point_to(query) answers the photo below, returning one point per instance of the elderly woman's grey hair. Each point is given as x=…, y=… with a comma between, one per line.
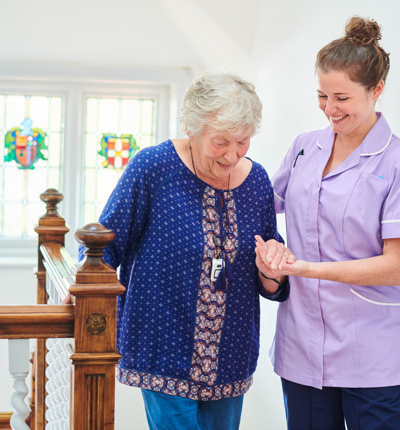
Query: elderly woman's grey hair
x=223, y=101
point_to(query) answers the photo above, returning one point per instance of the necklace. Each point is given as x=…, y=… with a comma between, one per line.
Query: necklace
x=220, y=266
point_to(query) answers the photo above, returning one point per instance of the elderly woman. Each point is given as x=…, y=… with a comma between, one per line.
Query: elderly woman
x=185, y=213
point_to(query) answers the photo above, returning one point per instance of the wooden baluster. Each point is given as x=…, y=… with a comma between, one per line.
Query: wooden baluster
x=31, y=420
x=95, y=357
x=18, y=359
x=51, y=228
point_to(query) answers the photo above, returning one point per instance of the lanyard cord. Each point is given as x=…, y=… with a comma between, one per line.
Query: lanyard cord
x=225, y=274
x=221, y=203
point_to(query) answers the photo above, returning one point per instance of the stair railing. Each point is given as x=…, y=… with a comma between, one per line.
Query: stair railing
x=74, y=364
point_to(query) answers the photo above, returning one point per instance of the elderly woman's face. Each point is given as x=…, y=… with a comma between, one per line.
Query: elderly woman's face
x=217, y=153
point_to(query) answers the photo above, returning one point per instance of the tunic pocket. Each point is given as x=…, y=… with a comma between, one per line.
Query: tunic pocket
x=377, y=324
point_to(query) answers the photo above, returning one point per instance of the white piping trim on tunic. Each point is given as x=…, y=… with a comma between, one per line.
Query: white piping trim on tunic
x=389, y=221
x=279, y=198
x=381, y=150
x=371, y=301
x=371, y=153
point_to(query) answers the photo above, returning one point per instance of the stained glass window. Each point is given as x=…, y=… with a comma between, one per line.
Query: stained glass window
x=29, y=159
x=115, y=130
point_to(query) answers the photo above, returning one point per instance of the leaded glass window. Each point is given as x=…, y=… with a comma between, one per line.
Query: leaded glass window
x=30, y=153
x=115, y=129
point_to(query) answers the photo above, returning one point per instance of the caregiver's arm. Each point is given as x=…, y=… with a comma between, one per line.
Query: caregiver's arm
x=375, y=271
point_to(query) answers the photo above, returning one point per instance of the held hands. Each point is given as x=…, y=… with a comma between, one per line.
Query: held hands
x=275, y=260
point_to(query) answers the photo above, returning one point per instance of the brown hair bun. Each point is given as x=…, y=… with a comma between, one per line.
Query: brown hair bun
x=357, y=53
x=362, y=31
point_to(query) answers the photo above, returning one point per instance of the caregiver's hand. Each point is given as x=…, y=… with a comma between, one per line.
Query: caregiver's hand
x=275, y=260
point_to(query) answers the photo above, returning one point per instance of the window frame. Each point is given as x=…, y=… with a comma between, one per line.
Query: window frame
x=75, y=84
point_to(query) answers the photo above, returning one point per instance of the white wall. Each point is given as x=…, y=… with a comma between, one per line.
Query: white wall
x=287, y=38
x=275, y=47
x=17, y=287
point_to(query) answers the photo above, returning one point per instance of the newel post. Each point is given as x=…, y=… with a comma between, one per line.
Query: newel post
x=51, y=228
x=95, y=357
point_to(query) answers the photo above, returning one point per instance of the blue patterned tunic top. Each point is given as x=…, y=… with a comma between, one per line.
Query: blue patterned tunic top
x=177, y=332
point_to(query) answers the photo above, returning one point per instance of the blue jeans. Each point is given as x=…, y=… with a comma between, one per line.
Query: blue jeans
x=308, y=408
x=167, y=412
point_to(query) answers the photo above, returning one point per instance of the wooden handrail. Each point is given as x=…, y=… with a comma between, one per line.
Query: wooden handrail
x=36, y=321
x=59, y=265
x=60, y=258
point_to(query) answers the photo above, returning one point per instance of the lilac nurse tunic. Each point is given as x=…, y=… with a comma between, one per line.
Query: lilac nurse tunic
x=329, y=333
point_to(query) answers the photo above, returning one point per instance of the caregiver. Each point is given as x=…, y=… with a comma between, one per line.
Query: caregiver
x=336, y=346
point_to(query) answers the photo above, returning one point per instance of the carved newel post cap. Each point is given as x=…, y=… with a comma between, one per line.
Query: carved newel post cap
x=52, y=198
x=95, y=237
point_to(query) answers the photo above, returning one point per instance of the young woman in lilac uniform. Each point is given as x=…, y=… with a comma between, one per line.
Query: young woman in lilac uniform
x=337, y=344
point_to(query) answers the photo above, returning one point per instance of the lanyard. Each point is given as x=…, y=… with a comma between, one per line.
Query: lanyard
x=220, y=266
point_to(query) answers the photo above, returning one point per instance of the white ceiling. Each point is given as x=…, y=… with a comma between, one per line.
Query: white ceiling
x=236, y=18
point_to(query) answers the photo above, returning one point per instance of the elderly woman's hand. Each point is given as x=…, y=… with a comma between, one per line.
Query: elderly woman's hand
x=274, y=260
x=68, y=300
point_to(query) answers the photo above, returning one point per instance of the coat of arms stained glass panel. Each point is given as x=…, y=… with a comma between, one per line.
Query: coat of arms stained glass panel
x=115, y=130
x=30, y=148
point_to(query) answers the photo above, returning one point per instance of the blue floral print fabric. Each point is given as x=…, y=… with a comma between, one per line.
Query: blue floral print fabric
x=174, y=327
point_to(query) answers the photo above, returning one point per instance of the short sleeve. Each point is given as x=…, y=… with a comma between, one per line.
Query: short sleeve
x=390, y=218
x=281, y=178
x=127, y=210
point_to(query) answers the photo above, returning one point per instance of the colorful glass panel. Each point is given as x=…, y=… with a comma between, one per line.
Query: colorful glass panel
x=30, y=159
x=117, y=150
x=131, y=122
x=25, y=146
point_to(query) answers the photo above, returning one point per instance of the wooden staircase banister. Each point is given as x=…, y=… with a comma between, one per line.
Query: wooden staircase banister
x=89, y=359
x=36, y=321
x=59, y=265
x=60, y=258
x=51, y=229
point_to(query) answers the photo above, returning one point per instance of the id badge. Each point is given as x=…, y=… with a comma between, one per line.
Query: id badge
x=216, y=266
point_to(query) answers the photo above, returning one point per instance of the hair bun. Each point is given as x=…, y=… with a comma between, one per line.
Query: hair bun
x=362, y=31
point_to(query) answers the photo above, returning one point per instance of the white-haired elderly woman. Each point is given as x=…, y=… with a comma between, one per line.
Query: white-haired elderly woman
x=185, y=213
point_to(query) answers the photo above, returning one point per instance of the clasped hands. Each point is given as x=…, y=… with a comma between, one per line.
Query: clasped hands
x=275, y=260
